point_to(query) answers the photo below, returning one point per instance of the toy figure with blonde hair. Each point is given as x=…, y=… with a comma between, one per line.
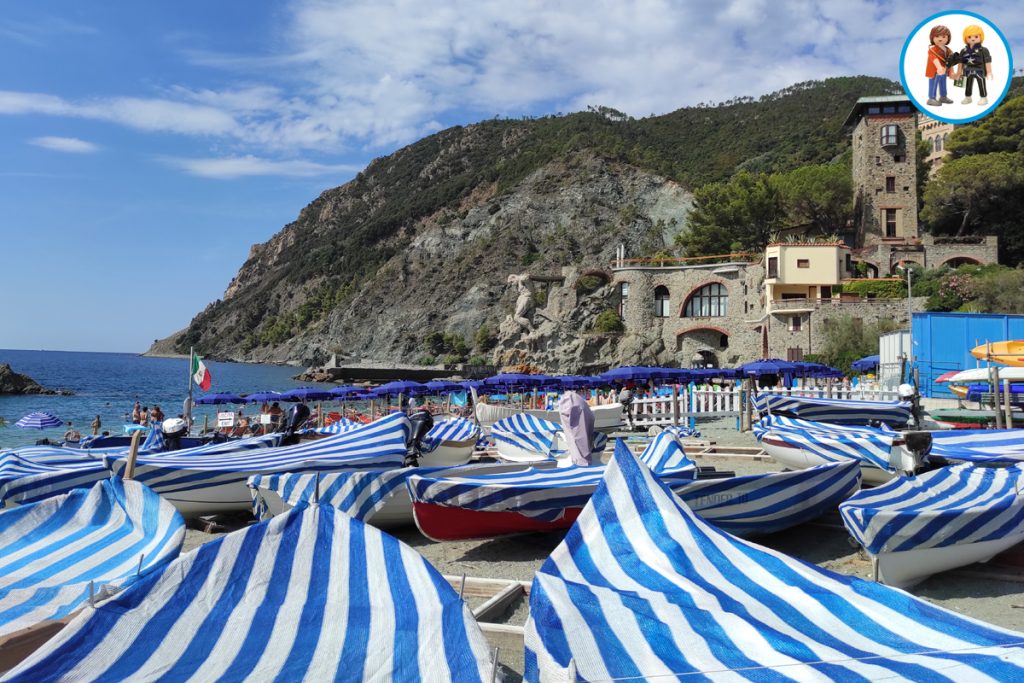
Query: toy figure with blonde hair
x=975, y=64
x=938, y=56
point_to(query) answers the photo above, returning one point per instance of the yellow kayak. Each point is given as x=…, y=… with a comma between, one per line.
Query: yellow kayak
x=1005, y=352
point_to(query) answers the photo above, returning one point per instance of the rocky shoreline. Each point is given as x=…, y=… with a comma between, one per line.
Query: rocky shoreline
x=15, y=383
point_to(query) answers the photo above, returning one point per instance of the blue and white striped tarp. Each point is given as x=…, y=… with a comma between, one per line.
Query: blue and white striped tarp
x=308, y=595
x=665, y=453
x=684, y=432
x=642, y=589
x=380, y=444
x=32, y=474
x=357, y=493
x=543, y=495
x=835, y=411
x=991, y=446
x=537, y=435
x=452, y=429
x=108, y=535
x=339, y=426
x=770, y=502
x=155, y=441
x=832, y=443
x=947, y=506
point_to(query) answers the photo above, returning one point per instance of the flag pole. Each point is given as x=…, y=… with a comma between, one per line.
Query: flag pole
x=188, y=409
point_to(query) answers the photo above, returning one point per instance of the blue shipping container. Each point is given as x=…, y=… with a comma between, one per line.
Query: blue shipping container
x=942, y=342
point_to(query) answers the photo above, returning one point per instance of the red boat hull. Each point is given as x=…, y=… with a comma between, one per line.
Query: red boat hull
x=441, y=523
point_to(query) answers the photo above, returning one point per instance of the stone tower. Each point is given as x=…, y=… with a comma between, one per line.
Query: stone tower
x=884, y=169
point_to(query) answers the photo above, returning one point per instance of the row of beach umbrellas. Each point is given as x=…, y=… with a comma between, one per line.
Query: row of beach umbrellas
x=518, y=382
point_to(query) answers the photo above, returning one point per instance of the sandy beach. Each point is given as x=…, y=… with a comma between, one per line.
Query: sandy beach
x=992, y=593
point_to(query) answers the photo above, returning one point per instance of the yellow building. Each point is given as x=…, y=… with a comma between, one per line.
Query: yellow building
x=804, y=273
x=936, y=134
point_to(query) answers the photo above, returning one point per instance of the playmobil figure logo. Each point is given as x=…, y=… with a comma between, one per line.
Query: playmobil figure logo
x=956, y=66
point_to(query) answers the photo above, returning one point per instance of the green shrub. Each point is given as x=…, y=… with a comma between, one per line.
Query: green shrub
x=477, y=360
x=452, y=359
x=608, y=322
x=425, y=360
x=589, y=283
x=876, y=289
x=484, y=339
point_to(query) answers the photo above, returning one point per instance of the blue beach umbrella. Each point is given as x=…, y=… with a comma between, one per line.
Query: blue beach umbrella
x=402, y=386
x=346, y=391
x=219, y=399
x=39, y=420
x=865, y=364
x=264, y=397
x=636, y=372
x=768, y=366
x=515, y=379
x=307, y=394
x=440, y=386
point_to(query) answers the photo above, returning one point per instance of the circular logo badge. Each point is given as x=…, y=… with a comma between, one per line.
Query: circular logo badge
x=956, y=66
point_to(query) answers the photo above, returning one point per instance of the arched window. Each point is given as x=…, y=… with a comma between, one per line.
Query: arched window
x=661, y=301
x=945, y=139
x=709, y=301
x=938, y=143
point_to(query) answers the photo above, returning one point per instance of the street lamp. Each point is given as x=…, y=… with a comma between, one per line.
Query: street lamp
x=910, y=299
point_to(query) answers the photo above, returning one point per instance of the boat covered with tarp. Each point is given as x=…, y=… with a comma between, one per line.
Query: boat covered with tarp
x=208, y=484
x=642, y=588
x=834, y=410
x=91, y=542
x=525, y=438
x=309, y=595
x=950, y=517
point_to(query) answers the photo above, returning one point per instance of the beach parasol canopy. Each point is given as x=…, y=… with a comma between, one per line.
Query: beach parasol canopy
x=769, y=366
x=817, y=370
x=264, y=397
x=441, y=386
x=219, y=399
x=636, y=372
x=865, y=364
x=39, y=420
x=307, y=394
x=516, y=379
x=402, y=386
x=346, y=391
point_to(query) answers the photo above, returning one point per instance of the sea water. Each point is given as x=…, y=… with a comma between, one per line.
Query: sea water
x=108, y=384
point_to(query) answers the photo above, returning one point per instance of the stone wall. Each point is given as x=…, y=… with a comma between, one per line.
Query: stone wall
x=926, y=253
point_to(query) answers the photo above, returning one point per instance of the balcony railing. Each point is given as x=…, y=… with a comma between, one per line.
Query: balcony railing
x=790, y=304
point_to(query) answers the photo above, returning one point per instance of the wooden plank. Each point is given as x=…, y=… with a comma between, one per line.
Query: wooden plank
x=496, y=605
x=505, y=637
x=477, y=587
x=17, y=646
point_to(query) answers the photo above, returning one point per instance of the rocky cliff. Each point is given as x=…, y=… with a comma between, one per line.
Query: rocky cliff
x=408, y=262
x=12, y=382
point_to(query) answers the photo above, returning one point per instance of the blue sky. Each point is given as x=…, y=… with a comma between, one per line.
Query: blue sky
x=147, y=145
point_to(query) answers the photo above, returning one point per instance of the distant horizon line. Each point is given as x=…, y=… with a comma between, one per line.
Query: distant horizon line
x=133, y=353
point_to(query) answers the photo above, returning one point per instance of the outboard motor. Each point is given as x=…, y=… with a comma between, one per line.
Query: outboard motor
x=422, y=422
x=174, y=428
x=907, y=392
x=297, y=416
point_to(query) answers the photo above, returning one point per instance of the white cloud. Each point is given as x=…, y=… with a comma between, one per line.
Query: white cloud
x=375, y=74
x=59, y=144
x=247, y=166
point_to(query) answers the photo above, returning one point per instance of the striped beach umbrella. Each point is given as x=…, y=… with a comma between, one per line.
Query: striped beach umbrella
x=39, y=420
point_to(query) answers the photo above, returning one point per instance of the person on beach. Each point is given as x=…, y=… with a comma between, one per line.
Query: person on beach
x=156, y=415
x=137, y=413
x=935, y=71
x=72, y=435
x=144, y=416
x=626, y=399
x=96, y=425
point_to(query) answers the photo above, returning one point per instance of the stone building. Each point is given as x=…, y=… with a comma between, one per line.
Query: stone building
x=936, y=133
x=780, y=303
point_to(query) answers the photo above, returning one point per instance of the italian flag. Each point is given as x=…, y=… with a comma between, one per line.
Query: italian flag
x=200, y=375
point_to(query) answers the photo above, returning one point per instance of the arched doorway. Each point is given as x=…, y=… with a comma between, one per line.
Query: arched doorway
x=957, y=261
x=701, y=346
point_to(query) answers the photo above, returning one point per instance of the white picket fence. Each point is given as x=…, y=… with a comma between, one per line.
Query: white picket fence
x=704, y=403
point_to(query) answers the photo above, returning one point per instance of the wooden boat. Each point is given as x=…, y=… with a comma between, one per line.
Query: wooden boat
x=465, y=507
x=947, y=518
x=798, y=444
x=643, y=589
x=1006, y=352
x=607, y=418
x=204, y=484
x=311, y=595
x=523, y=438
x=91, y=541
x=377, y=497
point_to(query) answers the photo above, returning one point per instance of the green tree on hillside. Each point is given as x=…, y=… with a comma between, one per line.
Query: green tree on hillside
x=739, y=214
x=971, y=193
x=820, y=195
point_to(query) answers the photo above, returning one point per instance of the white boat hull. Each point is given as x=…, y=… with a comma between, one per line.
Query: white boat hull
x=794, y=457
x=906, y=568
x=449, y=454
x=213, y=500
x=606, y=418
x=511, y=453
